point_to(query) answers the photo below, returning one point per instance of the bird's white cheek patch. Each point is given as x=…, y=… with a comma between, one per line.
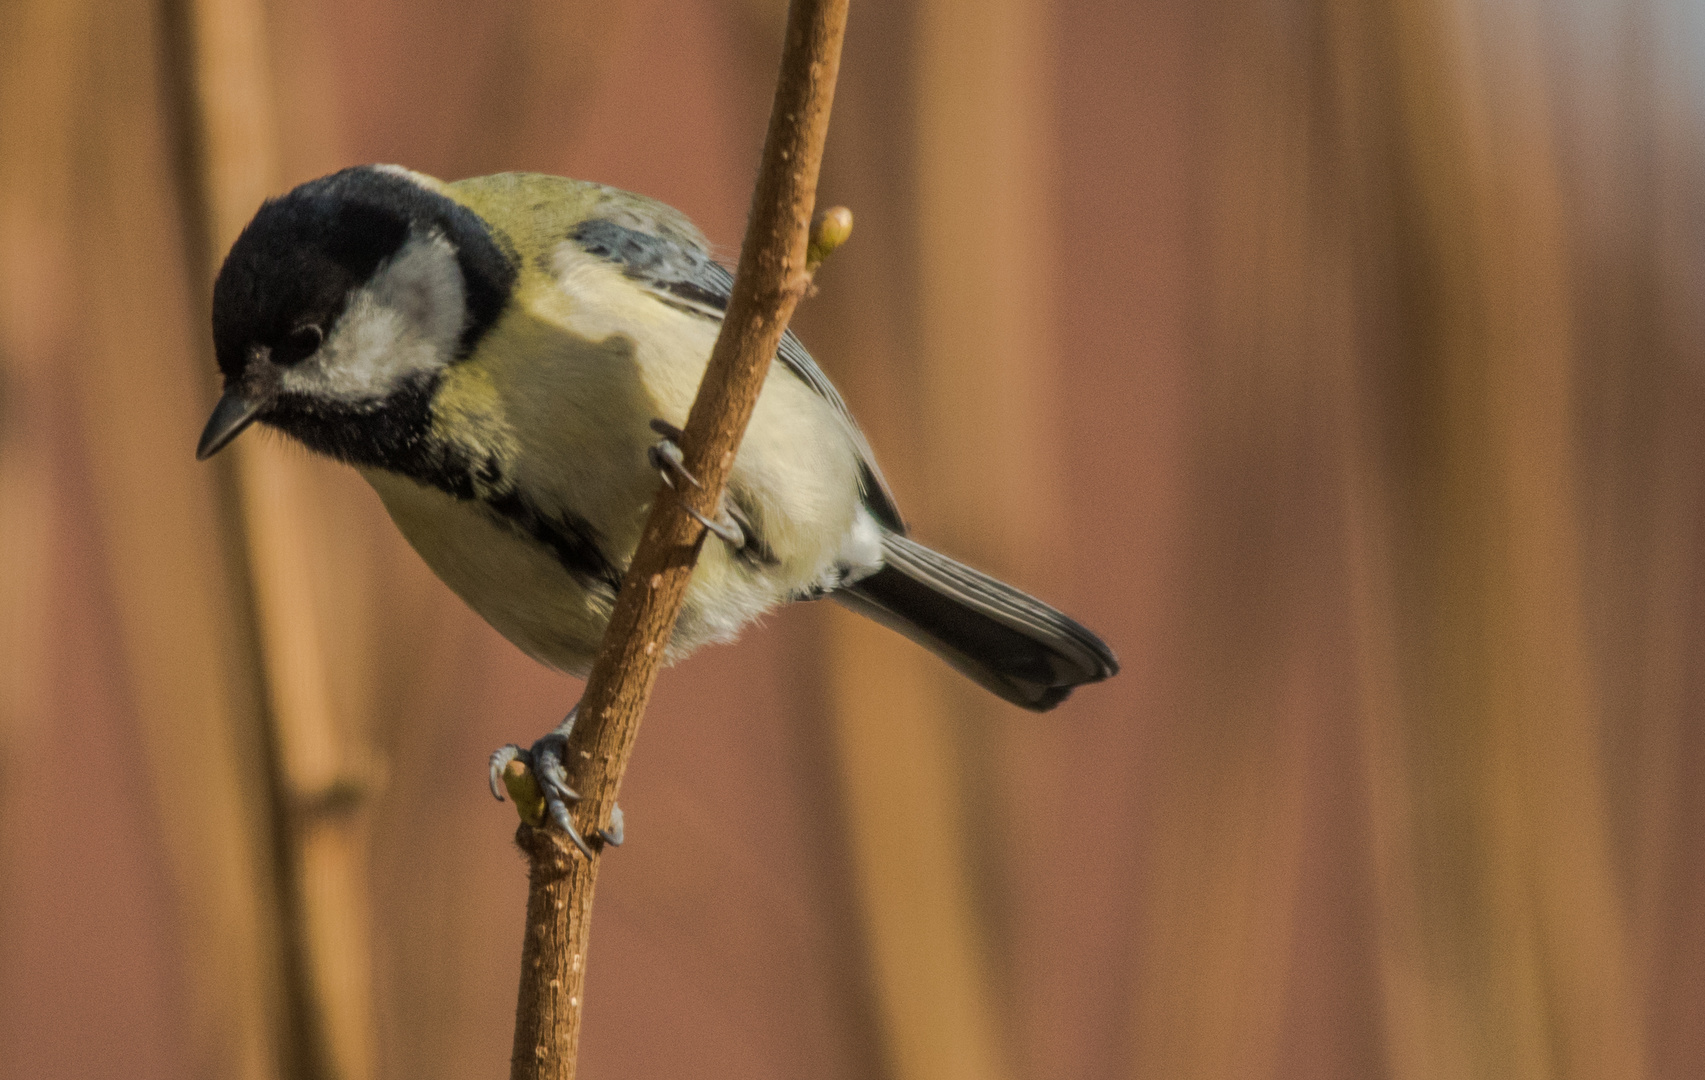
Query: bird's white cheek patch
x=407, y=320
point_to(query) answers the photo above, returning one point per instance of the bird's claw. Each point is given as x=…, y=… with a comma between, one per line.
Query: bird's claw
x=500, y=759
x=545, y=760
x=665, y=456
x=725, y=528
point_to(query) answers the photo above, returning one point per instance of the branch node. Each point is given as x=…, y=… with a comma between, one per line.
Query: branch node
x=829, y=230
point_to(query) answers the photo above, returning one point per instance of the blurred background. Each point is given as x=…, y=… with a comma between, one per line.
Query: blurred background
x=1342, y=363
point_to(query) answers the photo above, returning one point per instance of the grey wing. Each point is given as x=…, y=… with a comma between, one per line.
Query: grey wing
x=683, y=275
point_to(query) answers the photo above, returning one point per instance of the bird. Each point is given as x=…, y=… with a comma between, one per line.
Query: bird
x=507, y=361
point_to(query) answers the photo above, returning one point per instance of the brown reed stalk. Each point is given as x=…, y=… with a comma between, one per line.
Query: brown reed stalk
x=95, y=305
x=1503, y=926
x=772, y=277
x=268, y=526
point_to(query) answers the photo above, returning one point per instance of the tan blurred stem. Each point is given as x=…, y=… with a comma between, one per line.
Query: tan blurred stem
x=1503, y=935
x=271, y=512
x=768, y=284
x=922, y=753
x=90, y=271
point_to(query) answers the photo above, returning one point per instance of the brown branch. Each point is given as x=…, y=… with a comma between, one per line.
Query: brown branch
x=770, y=280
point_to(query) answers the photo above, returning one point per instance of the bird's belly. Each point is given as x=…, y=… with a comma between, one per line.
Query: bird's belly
x=511, y=581
x=518, y=586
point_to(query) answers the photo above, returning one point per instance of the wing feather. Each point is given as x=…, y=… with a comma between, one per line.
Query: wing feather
x=683, y=275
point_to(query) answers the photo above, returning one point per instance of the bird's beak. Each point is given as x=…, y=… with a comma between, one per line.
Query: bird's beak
x=233, y=413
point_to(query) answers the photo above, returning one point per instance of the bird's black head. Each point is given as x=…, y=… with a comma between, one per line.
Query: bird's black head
x=341, y=302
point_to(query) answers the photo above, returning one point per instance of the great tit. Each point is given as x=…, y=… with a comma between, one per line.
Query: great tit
x=498, y=356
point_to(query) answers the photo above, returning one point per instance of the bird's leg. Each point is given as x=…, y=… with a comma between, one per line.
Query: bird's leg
x=545, y=760
x=666, y=458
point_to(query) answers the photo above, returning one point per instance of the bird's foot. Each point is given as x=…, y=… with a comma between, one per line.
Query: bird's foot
x=666, y=458
x=666, y=455
x=545, y=760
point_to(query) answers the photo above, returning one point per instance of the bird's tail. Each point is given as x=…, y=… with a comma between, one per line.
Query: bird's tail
x=1012, y=644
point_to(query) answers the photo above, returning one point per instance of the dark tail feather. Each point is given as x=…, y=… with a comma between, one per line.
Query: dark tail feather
x=1012, y=644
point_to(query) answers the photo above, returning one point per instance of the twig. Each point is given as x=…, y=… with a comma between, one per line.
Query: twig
x=772, y=276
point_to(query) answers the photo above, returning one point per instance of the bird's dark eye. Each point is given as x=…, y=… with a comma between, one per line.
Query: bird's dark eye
x=298, y=345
